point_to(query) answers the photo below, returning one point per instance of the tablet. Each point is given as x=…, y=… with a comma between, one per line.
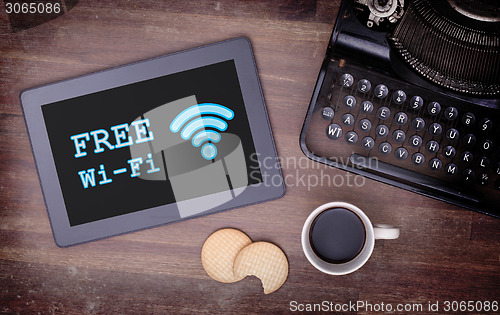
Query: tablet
x=153, y=142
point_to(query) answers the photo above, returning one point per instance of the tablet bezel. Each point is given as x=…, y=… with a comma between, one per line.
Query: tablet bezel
x=238, y=49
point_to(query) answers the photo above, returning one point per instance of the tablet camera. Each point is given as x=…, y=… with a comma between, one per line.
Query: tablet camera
x=203, y=119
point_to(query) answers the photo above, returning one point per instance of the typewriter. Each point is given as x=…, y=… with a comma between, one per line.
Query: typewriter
x=409, y=95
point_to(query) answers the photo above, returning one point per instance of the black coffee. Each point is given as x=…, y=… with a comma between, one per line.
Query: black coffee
x=337, y=235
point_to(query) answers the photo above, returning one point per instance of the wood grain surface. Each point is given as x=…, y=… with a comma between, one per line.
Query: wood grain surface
x=444, y=253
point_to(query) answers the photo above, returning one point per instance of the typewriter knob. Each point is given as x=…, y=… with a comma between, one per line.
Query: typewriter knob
x=382, y=10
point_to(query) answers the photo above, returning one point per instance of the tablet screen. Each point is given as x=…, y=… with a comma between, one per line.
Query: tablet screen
x=152, y=143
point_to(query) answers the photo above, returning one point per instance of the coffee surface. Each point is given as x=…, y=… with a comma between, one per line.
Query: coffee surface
x=337, y=235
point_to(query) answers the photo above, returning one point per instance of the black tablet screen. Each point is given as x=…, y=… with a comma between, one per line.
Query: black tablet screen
x=151, y=143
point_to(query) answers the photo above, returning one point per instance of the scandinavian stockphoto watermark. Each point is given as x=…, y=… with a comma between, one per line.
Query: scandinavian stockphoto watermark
x=24, y=14
x=382, y=307
x=297, y=172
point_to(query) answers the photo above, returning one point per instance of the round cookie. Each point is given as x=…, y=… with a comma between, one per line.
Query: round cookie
x=264, y=260
x=219, y=252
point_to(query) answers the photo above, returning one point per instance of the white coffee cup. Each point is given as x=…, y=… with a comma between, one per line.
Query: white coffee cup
x=344, y=232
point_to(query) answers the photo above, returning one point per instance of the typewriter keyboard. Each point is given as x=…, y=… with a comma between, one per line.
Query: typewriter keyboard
x=411, y=137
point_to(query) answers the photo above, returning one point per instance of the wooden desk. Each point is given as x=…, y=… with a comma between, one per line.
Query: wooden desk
x=444, y=253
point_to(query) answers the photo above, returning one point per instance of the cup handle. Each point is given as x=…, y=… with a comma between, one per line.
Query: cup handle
x=385, y=231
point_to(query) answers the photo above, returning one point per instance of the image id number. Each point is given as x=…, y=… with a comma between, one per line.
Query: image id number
x=470, y=306
x=32, y=7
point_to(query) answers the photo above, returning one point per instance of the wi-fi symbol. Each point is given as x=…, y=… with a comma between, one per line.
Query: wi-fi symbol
x=198, y=126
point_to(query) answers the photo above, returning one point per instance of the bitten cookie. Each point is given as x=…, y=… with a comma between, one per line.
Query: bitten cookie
x=219, y=252
x=264, y=260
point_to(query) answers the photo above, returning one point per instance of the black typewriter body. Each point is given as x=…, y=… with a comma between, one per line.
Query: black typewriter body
x=409, y=95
